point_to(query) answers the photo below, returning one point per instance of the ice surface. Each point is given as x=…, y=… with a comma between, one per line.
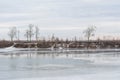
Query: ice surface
x=98, y=76
x=46, y=64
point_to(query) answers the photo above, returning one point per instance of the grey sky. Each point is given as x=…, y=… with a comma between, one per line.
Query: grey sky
x=62, y=17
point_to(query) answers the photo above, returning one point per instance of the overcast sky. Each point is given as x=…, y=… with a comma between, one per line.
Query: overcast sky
x=64, y=18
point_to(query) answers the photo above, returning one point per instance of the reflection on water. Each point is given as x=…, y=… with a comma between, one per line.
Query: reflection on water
x=39, y=63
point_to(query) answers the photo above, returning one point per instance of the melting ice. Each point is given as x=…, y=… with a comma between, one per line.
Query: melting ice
x=66, y=64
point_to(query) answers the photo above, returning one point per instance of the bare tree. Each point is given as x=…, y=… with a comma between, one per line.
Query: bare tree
x=37, y=33
x=89, y=32
x=12, y=33
x=30, y=31
x=26, y=34
x=53, y=38
x=18, y=35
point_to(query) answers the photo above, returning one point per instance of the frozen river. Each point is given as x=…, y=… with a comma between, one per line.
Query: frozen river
x=67, y=64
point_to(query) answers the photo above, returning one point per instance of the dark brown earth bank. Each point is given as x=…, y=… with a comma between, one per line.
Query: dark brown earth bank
x=64, y=44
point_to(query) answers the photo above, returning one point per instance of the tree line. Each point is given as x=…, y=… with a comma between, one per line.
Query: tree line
x=33, y=30
x=29, y=33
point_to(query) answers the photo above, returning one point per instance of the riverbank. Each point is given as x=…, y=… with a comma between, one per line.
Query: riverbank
x=62, y=44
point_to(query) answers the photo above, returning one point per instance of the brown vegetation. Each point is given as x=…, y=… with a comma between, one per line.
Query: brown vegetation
x=69, y=44
x=4, y=44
